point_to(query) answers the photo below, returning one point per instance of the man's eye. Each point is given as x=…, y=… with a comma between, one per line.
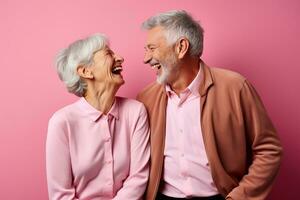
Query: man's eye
x=151, y=48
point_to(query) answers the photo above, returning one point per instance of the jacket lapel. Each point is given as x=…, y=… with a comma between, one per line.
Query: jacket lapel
x=206, y=83
x=158, y=136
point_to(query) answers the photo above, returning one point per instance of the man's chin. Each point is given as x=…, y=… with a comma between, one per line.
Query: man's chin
x=161, y=80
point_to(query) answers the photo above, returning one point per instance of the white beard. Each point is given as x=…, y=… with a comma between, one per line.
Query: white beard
x=162, y=79
x=167, y=69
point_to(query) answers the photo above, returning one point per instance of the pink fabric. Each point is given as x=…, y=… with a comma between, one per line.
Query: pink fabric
x=186, y=169
x=95, y=156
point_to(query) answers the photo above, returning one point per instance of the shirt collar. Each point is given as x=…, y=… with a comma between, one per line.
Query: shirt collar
x=192, y=88
x=169, y=90
x=194, y=85
x=95, y=114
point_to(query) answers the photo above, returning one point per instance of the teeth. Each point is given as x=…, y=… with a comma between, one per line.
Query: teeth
x=117, y=70
x=156, y=66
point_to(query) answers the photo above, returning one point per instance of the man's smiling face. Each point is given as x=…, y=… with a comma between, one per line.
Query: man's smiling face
x=160, y=55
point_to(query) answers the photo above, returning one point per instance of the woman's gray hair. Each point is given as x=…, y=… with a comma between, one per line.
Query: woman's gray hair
x=178, y=23
x=79, y=53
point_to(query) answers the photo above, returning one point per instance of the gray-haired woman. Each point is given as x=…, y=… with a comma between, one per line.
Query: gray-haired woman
x=97, y=148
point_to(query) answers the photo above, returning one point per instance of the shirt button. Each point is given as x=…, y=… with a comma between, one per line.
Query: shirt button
x=182, y=155
x=109, y=162
x=181, y=131
x=109, y=183
x=107, y=139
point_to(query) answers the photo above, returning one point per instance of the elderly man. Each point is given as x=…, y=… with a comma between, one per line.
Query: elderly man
x=211, y=137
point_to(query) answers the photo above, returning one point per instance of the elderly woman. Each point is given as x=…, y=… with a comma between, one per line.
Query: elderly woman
x=97, y=148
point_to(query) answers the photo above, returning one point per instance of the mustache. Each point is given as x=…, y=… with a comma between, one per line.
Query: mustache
x=153, y=62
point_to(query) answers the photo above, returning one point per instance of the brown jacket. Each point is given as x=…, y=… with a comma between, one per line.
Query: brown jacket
x=242, y=147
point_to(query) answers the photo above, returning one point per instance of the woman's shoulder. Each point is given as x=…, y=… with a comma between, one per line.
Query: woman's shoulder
x=124, y=101
x=64, y=113
x=130, y=105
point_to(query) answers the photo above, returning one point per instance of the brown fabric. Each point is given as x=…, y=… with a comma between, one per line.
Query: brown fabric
x=242, y=147
x=160, y=196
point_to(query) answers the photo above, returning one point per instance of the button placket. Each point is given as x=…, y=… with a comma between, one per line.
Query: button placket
x=109, y=156
x=181, y=142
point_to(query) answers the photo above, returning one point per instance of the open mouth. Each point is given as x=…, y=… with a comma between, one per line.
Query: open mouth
x=117, y=70
x=156, y=65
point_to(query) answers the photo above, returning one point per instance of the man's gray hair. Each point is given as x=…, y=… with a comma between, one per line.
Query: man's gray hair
x=79, y=53
x=178, y=23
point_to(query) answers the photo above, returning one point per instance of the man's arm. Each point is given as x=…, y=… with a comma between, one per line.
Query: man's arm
x=265, y=146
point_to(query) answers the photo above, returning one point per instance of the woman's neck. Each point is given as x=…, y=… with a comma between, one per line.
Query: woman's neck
x=101, y=98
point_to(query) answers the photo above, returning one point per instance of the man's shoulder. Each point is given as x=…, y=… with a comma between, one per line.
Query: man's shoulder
x=149, y=91
x=226, y=74
x=224, y=77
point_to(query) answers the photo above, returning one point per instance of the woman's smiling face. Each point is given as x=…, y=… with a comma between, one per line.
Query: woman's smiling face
x=107, y=67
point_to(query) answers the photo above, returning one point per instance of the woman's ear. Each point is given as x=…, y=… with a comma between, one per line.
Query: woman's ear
x=182, y=47
x=84, y=72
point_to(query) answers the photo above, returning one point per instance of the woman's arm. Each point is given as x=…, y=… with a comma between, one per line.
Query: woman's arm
x=135, y=184
x=58, y=162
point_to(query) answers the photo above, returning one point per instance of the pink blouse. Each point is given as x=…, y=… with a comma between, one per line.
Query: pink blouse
x=93, y=156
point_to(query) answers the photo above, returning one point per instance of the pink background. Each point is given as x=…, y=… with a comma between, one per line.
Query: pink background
x=259, y=39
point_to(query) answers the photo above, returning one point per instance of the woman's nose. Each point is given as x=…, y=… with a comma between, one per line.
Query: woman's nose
x=119, y=58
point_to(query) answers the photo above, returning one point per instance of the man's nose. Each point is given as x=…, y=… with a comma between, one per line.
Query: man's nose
x=147, y=57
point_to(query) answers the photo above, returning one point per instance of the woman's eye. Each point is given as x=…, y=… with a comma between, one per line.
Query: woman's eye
x=110, y=53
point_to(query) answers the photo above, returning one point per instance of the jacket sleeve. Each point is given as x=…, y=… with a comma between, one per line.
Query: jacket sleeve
x=58, y=161
x=265, y=147
x=135, y=184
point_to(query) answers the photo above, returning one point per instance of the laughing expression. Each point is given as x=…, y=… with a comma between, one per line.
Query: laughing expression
x=107, y=67
x=160, y=55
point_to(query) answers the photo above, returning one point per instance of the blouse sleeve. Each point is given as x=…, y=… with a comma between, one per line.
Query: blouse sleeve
x=58, y=161
x=135, y=184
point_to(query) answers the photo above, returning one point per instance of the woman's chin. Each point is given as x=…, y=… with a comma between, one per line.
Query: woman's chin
x=119, y=81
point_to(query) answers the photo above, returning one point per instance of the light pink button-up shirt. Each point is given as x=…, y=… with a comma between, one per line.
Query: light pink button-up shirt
x=186, y=169
x=92, y=156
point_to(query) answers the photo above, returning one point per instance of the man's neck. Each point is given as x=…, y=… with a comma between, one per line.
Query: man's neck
x=188, y=70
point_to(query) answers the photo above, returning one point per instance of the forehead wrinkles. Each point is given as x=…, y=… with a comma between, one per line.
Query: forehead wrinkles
x=102, y=50
x=100, y=56
x=156, y=35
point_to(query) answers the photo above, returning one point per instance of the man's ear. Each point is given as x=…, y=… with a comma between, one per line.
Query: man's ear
x=182, y=47
x=85, y=72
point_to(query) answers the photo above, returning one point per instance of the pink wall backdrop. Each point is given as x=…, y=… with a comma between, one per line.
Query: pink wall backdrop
x=259, y=39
